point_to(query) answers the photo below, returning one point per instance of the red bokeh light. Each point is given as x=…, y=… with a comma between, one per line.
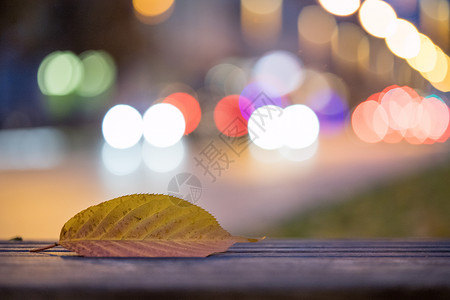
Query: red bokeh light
x=189, y=107
x=228, y=116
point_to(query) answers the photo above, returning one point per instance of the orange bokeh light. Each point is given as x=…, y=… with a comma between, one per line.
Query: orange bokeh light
x=189, y=107
x=153, y=11
x=152, y=7
x=228, y=116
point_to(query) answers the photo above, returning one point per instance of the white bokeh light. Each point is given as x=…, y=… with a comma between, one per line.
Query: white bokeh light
x=122, y=126
x=340, y=7
x=278, y=72
x=426, y=60
x=295, y=127
x=405, y=41
x=163, y=160
x=265, y=126
x=378, y=18
x=164, y=125
x=300, y=126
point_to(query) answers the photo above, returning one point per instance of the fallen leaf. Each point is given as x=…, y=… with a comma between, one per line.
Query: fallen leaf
x=146, y=225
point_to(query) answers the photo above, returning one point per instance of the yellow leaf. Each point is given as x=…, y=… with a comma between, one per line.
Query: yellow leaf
x=146, y=225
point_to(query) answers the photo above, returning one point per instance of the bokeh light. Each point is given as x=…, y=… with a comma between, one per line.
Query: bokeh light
x=300, y=126
x=446, y=134
x=228, y=117
x=99, y=73
x=326, y=94
x=153, y=11
x=265, y=127
x=60, y=73
x=262, y=7
x=378, y=18
x=261, y=20
x=122, y=126
x=439, y=72
x=346, y=40
x=437, y=9
x=401, y=113
x=396, y=102
x=405, y=41
x=379, y=96
x=189, y=107
x=164, y=125
x=438, y=117
x=363, y=53
x=121, y=161
x=163, y=160
x=425, y=61
x=370, y=122
x=340, y=7
x=393, y=136
x=434, y=20
x=152, y=7
x=271, y=127
x=443, y=85
x=278, y=72
x=315, y=25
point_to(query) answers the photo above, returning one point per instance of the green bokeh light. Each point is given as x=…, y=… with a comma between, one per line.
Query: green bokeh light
x=60, y=73
x=76, y=84
x=99, y=73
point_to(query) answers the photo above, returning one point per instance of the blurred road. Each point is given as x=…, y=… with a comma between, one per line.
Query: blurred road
x=247, y=198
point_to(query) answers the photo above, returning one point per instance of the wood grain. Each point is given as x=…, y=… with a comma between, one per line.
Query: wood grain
x=270, y=269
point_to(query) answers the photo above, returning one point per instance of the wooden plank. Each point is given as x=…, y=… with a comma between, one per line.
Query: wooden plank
x=317, y=269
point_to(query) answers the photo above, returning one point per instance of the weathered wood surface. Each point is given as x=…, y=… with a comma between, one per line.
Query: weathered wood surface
x=271, y=269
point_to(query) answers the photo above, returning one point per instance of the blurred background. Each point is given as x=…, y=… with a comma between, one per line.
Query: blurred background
x=306, y=118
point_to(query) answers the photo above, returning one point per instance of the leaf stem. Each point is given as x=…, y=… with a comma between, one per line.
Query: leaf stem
x=44, y=248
